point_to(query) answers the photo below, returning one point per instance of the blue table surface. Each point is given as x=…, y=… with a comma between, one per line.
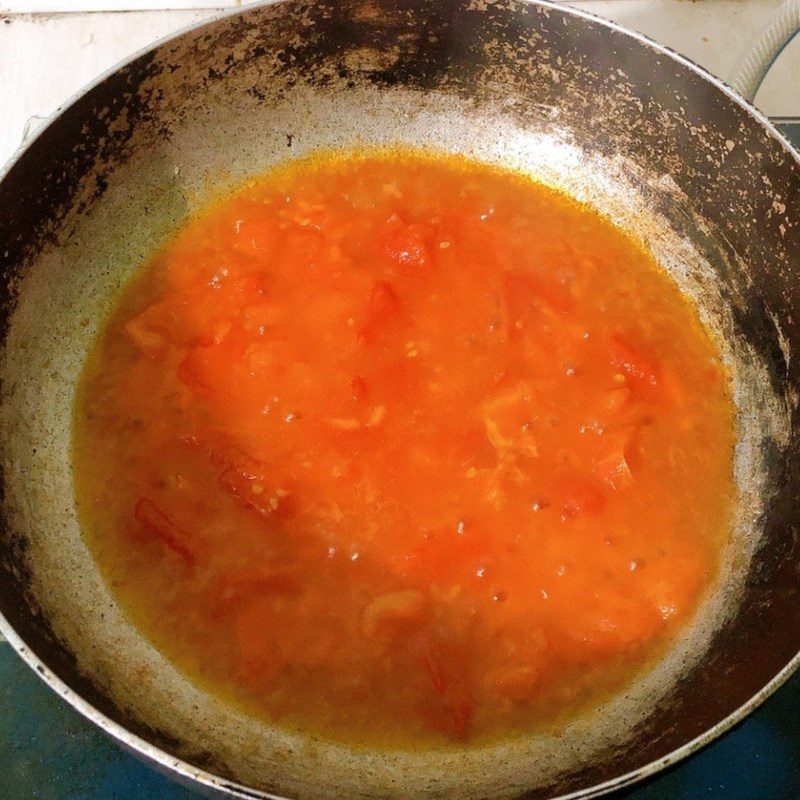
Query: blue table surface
x=49, y=752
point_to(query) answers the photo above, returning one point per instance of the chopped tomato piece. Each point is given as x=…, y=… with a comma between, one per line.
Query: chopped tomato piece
x=616, y=400
x=444, y=556
x=392, y=609
x=358, y=388
x=507, y=416
x=344, y=423
x=191, y=371
x=453, y=712
x=460, y=718
x=612, y=465
x=150, y=342
x=382, y=305
x=473, y=449
x=640, y=368
x=383, y=301
x=305, y=249
x=217, y=449
x=247, y=483
x=409, y=245
x=215, y=333
x=162, y=527
x=435, y=671
x=212, y=369
x=579, y=497
x=614, y=470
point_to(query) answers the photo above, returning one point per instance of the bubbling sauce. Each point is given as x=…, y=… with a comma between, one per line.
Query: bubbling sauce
x=405, y=450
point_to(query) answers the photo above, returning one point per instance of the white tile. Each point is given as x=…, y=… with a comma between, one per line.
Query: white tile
x=713, y=33
x=45, y=60
x=78, y=6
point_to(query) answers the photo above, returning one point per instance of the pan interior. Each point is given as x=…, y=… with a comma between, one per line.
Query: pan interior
x=70, y=286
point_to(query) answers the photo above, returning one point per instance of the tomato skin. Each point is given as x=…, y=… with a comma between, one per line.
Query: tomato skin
x=383, y=300
x=159, y=525
x=190, y=372
x=614, y=470
x=358, y=389
x=409, y=245
x=382, y=306
x=639, y=367
x=453, y=707
x=247, y=482
x=579, y=497
x=149, y=341
x=612, y=465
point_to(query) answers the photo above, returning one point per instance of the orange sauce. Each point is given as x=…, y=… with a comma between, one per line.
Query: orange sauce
x=405, y=450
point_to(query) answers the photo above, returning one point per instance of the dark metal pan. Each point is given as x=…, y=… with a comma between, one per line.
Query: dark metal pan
x=662, y=147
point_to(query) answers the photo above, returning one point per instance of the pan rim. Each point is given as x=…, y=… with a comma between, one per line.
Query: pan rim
x=177, y=767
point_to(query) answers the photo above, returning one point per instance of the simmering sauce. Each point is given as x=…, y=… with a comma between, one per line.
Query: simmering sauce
x=405, y=450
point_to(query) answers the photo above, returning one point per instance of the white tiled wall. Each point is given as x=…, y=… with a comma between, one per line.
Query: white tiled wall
x=79, y=6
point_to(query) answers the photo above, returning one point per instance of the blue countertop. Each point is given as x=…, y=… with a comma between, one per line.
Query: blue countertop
x=49, y=752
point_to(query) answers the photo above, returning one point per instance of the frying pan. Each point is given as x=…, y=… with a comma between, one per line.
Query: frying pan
x=664, y=149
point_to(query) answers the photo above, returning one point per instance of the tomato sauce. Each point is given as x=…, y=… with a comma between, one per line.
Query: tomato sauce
x=405, y=450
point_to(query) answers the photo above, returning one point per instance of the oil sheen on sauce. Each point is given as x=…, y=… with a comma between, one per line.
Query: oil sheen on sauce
x=406, y=451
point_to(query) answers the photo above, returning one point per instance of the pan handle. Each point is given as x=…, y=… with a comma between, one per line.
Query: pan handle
x=755, y=62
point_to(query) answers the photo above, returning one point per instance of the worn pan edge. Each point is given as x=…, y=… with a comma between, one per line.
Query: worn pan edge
x=183, y=770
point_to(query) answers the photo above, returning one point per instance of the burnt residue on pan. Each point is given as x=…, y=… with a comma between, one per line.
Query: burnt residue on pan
x=578, y=104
